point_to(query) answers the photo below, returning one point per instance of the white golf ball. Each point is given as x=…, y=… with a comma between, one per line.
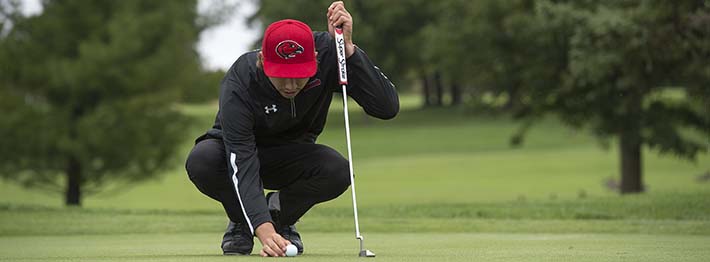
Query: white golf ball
x=291, y=251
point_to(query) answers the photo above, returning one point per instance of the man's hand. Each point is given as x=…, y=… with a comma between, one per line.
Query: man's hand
x=273, y=244
x=338, y=16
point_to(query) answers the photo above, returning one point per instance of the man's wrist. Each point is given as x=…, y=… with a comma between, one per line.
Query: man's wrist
x=349, y=49
x=264, y=229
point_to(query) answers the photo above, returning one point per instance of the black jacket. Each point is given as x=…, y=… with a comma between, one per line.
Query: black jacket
x=253, y=114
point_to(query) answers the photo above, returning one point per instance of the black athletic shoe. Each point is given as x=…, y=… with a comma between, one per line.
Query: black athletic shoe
x=286, y=231
x=237, y=240
x=290, y=234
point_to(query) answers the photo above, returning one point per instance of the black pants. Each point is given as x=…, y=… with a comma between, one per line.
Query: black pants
x=304, y=175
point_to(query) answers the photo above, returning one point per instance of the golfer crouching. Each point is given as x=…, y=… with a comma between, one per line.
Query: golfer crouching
x=273, y=104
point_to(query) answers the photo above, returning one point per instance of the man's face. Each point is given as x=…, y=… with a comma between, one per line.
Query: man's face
x=288, y=87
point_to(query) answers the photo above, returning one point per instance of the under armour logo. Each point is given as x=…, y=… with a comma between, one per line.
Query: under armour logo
x=271, y=109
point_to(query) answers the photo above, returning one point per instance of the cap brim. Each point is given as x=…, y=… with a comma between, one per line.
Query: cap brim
x=301, y=70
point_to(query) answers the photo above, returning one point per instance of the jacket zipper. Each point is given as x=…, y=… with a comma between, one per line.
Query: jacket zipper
x=293, y=108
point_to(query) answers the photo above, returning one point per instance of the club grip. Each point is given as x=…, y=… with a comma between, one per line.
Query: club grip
x=340, y=50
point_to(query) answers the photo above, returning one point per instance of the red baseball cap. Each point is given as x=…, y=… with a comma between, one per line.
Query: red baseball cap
x=289, y=50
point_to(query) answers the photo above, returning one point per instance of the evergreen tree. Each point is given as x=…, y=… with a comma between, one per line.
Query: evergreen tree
x=88, y=92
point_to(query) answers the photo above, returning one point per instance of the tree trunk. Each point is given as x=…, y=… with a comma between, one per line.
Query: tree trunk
x=630, y=146
x=455, y=93
x=631, y=179
x=73, y=193
x=439, y=88
x=426, y=92
x=513, y=97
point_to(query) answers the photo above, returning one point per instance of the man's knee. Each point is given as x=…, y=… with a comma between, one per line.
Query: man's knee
x=205, y=162
x=205, y=165
x=337, y=172
x=197, y=163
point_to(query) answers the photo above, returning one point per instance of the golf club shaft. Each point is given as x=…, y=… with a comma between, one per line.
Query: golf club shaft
x=343, y=79
x=350, y=160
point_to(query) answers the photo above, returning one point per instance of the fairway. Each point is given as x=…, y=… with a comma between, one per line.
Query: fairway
x=389, y=247
x=464, y=196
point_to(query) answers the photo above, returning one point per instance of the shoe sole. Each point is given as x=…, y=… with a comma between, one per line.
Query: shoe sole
x=235, y=254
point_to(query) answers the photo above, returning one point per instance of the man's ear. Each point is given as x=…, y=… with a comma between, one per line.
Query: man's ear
x=259, y=60
x=316, y=54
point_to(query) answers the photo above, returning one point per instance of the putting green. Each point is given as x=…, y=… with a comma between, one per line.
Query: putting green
x=389, y=247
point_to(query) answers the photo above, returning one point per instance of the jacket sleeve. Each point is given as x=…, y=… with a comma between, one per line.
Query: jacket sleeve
x=370, y=88
x=237, y=122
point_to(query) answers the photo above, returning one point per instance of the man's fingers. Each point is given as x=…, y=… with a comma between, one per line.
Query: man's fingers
x=337, y=14
x=284, y=244
x=334, y=7
x=268, y=251
x=273, y=250
x=340, y=17
x=281, y=243
x=342, y=21
x=278, y=251
x=336, y=4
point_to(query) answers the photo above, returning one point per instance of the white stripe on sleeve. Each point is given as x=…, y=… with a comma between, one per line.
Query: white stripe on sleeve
x=233, y=161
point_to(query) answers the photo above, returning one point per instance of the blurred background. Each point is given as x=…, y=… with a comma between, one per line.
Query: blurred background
x=522, y=109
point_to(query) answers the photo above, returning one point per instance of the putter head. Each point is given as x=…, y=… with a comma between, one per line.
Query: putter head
x=366, y=253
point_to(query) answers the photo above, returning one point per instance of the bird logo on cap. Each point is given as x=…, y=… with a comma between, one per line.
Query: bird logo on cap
x=288, y=49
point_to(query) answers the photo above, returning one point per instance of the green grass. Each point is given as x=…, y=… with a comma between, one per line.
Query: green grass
x=433, y=185
x=342, y=247
x=452, y=157
x=668, y=213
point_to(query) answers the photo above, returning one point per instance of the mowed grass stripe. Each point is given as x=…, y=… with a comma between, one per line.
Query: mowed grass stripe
x=433, y=179
x=389, y=247
x=670, y=213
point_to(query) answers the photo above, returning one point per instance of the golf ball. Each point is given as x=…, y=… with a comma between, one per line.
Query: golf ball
x=291, y=251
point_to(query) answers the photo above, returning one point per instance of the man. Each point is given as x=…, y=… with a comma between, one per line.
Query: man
x=273, y=105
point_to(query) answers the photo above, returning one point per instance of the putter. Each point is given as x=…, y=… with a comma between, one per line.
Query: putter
x=343, y=77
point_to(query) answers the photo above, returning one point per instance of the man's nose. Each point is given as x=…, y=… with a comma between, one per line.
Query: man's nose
x=291, y=84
